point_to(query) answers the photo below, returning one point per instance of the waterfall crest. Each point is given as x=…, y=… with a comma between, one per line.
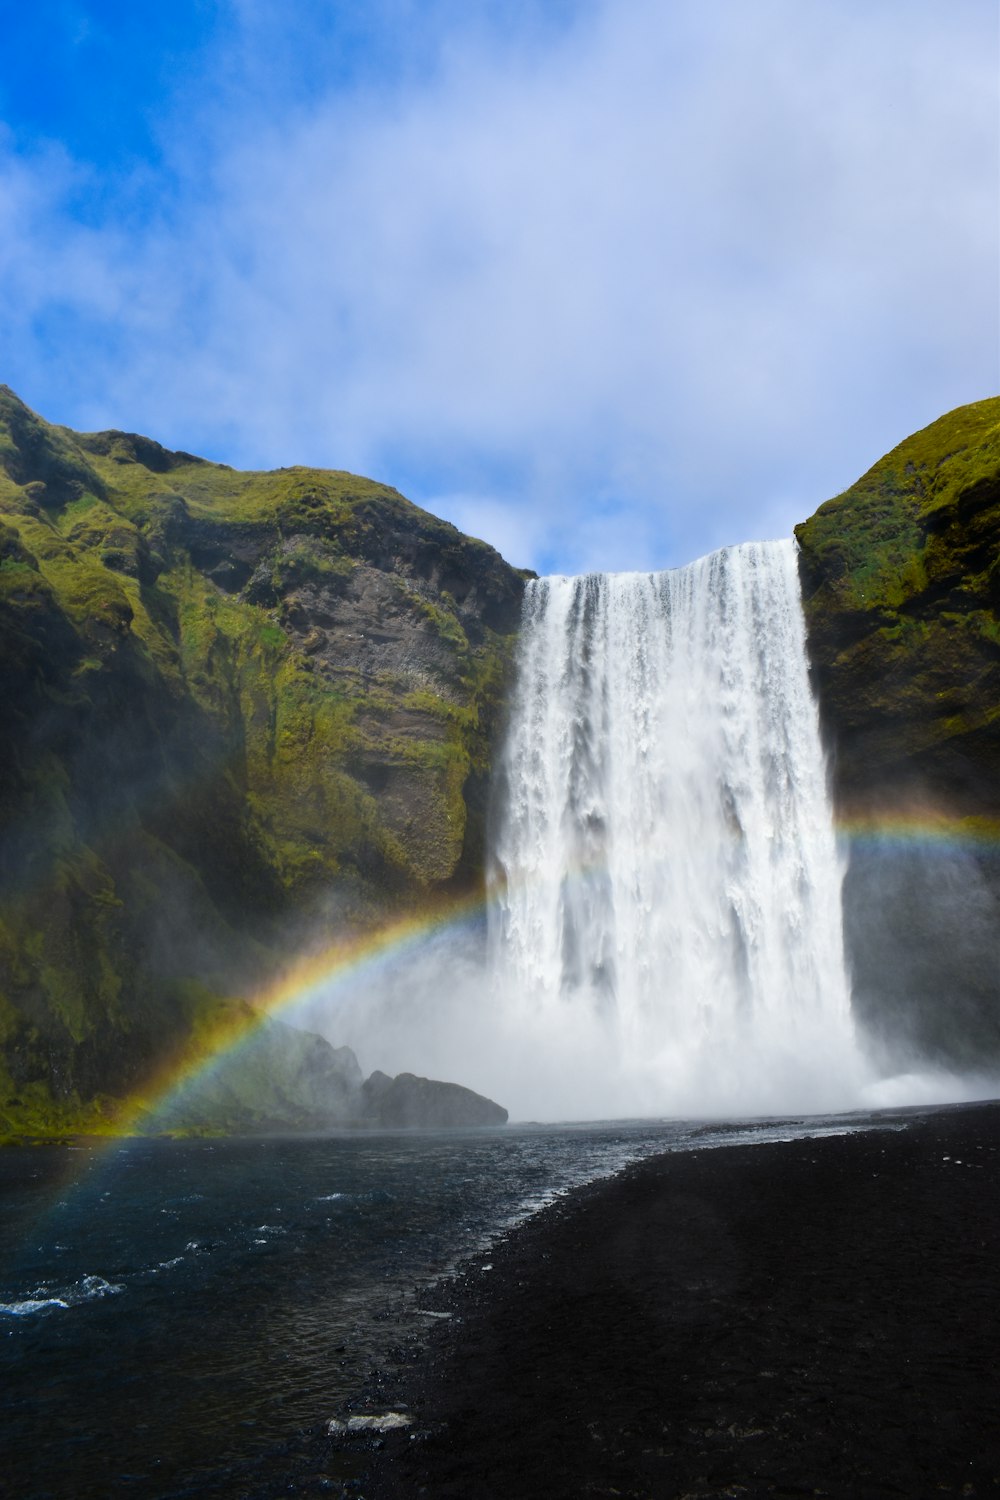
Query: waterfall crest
x=666, y=910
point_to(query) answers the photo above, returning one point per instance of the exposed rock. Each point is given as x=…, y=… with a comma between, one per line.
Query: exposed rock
x=373, y=1090
x=274, y=1078
x=901, y=583
x=409, y=1102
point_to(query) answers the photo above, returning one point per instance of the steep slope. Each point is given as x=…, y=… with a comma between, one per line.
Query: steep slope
x=901, y=582
x=239, y=710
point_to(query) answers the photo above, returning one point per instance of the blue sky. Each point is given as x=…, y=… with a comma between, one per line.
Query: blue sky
x=607, y=282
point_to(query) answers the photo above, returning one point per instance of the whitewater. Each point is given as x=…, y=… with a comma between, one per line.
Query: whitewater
x=665, y=869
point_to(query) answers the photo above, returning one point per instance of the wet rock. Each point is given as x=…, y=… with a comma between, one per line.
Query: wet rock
x=425, y=1103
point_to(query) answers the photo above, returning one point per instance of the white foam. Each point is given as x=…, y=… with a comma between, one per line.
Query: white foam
x=387, y=1421
x=90, y=1287
x=47, y=1298
x=29, y=1305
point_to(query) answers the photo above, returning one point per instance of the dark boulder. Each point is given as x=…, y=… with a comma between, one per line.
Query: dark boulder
x=409, y=1102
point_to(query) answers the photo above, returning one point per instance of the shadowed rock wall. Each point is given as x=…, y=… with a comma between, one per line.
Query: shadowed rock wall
x=901, y=584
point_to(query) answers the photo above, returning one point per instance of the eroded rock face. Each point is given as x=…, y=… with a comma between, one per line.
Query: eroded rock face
x=901, y=585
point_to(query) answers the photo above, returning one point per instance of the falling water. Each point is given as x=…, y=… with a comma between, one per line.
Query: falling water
x=666, y=926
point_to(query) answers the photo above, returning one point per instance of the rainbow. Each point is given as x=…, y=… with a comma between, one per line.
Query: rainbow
x=238, y=1022
x=930, y=830
x=338, y=964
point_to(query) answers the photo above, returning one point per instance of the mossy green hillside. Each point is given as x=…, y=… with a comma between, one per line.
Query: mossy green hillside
x=242, y=712
x=901, y=581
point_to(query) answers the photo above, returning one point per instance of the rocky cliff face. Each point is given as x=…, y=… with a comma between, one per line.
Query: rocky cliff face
x=239, y=710
x=901, y=583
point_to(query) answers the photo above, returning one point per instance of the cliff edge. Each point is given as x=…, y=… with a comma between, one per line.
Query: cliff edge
x=242, y=711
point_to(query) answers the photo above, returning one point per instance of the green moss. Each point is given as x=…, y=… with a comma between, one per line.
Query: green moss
x=29, y=1112
x=92, y=598
x=34, y=453
x=868, y=544
x=440, y=617
x=901, y=597
x=306, y=560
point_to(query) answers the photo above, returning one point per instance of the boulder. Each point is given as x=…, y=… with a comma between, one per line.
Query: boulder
x=409, y=1102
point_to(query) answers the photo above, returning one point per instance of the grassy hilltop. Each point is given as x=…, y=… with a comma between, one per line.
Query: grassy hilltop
x=901, y=580
x=240, y=710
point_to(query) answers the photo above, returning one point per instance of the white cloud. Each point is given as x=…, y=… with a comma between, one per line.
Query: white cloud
x=627, y=292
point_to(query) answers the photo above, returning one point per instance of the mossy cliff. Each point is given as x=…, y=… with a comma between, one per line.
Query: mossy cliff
x=901, y=585
x=240, y=712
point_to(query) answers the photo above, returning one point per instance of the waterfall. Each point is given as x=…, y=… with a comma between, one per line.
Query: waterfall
x=665, y=932
x=666, y=918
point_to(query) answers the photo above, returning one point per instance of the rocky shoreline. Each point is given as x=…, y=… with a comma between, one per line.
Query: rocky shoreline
x=812, y=1317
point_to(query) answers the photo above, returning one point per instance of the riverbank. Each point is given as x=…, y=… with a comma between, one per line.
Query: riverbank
x=810, y=1317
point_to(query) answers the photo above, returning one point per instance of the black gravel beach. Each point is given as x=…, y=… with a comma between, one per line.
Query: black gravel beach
x=809, y=1317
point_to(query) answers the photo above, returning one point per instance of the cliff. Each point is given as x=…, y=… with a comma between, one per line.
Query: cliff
x=241, y=711
x=901, y=586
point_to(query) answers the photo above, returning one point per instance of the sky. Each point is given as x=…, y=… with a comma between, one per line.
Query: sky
x=608, y=283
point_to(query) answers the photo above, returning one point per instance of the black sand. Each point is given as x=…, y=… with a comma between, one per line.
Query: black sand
x=807, y=1318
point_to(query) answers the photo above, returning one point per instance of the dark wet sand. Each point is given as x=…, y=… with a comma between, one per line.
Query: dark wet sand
x=812, y=1317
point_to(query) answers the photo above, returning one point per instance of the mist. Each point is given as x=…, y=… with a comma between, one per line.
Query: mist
x=442, y=1012
x=445, y=1012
